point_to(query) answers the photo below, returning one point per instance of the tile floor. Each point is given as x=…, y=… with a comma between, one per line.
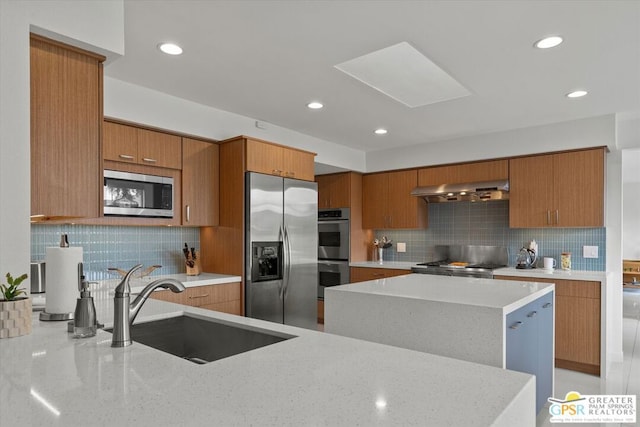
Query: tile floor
x=624, y=378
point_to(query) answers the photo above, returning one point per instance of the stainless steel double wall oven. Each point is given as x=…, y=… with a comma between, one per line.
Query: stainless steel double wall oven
x=333, y=248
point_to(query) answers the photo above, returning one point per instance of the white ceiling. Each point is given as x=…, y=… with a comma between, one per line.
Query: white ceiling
x=268, y=59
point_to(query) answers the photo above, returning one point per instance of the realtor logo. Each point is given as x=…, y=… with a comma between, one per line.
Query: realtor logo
x=607, y=408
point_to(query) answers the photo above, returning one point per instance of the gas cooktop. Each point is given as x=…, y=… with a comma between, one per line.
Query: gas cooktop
x=457, y=268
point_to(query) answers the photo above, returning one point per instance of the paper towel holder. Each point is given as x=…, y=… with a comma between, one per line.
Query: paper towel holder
x=53, y=317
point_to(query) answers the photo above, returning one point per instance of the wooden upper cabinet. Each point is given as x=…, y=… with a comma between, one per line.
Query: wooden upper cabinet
x=531, y=194
x=374, y=201
x=334, y=190
x=66, y=118
x=580, y=188
x=200, y=183
x=120, y=142
x=273, y=159
x=131, y=144
x=298, y=164
x=159, y=149
x=388, y=203
x=557, y=190
x=462, y=173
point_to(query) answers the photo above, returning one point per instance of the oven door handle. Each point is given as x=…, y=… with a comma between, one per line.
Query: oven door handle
x=332, y=221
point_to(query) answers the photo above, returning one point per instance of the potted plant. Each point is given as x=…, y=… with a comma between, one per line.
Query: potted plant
x=15, y=310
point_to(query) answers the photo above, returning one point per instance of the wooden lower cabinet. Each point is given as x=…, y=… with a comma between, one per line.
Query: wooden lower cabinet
x=578, y=315
x=362, y=274
x=224, y=297
x=320, y=311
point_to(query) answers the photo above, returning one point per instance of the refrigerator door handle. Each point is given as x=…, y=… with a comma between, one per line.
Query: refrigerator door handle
x=281, y=238
x=287, y=262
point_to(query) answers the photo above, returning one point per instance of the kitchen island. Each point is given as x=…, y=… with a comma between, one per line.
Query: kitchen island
x=479, y=320
x=49, y=378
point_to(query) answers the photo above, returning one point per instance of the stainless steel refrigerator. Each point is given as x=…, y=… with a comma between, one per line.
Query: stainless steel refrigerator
x=281, y=250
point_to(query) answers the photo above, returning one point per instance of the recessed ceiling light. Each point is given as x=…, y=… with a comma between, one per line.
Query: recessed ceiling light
x=577, y=94
x=548, y=42
x=380, y=131
x=170, y=48
x=315, y=105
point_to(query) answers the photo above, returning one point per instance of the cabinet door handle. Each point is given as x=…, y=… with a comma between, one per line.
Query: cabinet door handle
x=532, y=314
x=548, y=217
x=516, y=325
x=547, y=305
x=276, y=172
x=198, y=296
x=188, y=213
x=125, y=156
x=291, y=174
x=557, y=217
x=147, y=159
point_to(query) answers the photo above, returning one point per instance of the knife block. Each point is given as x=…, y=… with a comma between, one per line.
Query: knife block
x=196, y=269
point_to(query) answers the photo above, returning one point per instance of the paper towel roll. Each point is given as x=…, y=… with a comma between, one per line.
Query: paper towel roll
x=62, y=279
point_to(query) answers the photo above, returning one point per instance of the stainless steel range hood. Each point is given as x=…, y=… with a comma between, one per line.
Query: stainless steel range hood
x=467, y=192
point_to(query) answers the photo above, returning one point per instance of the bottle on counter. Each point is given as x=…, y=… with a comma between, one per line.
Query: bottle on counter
x=565, y=260
x=84, y=319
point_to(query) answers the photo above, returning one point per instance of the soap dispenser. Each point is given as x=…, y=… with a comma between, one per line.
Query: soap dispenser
x=84, y=320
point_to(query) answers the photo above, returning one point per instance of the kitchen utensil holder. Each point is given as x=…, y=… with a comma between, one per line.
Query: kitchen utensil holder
x=196, y=269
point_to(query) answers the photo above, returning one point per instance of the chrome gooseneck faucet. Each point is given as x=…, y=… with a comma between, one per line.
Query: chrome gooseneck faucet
x=124, y=313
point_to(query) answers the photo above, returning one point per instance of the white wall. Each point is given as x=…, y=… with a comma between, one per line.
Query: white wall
x=631, y=204
x=99, y=24
x=141, y=105
x=612, y=295
x=598, y=131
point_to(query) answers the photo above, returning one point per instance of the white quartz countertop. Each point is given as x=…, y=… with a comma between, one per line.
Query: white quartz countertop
x=49, y=378
x=507, y=271
x=203, y=279
x=395, y=265
x=596, y=276
x=503, y=294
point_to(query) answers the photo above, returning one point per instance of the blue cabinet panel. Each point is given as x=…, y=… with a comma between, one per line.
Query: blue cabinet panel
x=529, y=344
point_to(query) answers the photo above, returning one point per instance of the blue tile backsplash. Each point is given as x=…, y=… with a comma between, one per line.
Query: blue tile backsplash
x=467, y=223
x=118, y=246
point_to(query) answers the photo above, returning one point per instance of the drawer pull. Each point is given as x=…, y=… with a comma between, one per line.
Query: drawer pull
x=516, y=325
x=532, y=314
x=198, y=296
x=547, y=305
x=149, y=160
x=125, y=156
x=377, y=274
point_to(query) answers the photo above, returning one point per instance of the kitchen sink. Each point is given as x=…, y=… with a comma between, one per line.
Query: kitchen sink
x=199, y=340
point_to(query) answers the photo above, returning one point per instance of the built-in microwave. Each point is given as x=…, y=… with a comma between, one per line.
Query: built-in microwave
x=134, y=194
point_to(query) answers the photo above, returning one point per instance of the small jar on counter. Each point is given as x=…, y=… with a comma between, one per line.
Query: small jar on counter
x=565, y=260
